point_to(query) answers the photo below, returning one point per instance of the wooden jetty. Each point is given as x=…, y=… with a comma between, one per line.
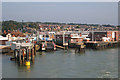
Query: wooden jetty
x=64, y=46
x=23, y=52
x=101, y=44
x=5, y=49
x=61, y=47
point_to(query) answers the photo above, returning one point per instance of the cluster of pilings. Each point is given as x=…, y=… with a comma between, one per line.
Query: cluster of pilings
x=112, y=45
x=24, y=54
x=80, y=48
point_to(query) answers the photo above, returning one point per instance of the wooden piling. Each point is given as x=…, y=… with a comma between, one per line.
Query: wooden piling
x=20, y=61
x=80, y=48
x=15, y=54
x=23, y=58
x=26, y=54
x=29, y=52
x=35, y=50
x=33, y=55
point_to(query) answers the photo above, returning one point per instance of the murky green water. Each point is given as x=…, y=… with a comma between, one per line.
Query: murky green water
x=65, y=64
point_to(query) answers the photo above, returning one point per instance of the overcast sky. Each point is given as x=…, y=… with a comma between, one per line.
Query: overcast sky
x=78, y=12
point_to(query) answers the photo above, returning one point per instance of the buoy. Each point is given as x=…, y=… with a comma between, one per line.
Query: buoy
x=27, y=63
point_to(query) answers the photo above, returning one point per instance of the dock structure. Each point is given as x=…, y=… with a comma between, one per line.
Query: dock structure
x=46, y=45
x=61, y=47
x=80, y=47
x=101, y=44
x=23, y=52
x=5, y=49
x=64, y=46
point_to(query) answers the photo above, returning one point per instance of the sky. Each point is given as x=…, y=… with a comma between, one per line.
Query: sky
x=60, y=0
x=66, y=12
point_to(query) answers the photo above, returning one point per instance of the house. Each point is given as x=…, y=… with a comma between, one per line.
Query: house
x=51, y=35
x=3, y=40
x=104, y=35
x=113, y=35
x=17, y=34
x=9, y=36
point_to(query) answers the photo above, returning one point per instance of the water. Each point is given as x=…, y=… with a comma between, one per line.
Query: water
x=65, y=64
x=0, y=66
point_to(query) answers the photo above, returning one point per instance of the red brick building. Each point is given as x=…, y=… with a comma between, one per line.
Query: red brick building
x=114, y=35
x=98, y=35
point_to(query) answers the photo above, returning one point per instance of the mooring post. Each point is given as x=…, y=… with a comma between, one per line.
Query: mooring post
x=15, y=54
x=66, y=47
x=20, y=56
x=35, y=50
x=111, y=45
x=29, y=51
x=26, y=54
x=33, y=55
x=79, y=48
x=23, y=55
